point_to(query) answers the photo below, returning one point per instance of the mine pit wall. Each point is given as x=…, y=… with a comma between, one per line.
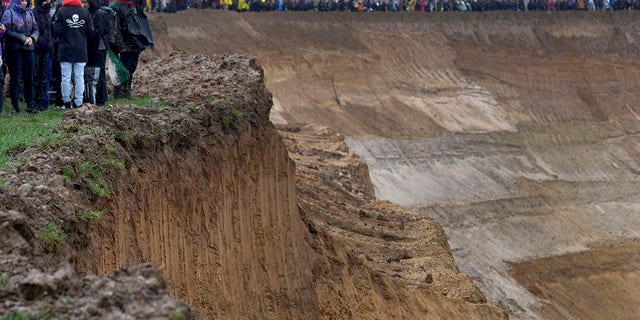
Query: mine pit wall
x=517, y=131
x=221, y=223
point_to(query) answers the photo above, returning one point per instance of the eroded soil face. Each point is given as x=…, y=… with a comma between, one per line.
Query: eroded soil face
x=518, y=132
x=196, y=196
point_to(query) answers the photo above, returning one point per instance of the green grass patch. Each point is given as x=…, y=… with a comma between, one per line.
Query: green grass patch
x=94, y=214
x=93, y=173
x=4, y=279
x=145, y=101
x=52, y=236
x=20, y=131
x=42, y=314
x=17, y=132
x=229, y=117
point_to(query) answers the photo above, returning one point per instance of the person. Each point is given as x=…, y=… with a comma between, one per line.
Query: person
x=134, y=36
x=97, y=51
x=72, y=26
x=42, y=54
x=20, y=37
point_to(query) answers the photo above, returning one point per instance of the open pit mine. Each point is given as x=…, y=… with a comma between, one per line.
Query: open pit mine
x=310, y=165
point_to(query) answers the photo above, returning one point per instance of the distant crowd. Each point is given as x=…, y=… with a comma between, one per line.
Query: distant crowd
x=392, y=5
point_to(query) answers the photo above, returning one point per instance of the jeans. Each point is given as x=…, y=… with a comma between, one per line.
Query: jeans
x=66, y=69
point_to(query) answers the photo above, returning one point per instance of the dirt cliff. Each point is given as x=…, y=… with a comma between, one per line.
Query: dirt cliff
x=195, y=195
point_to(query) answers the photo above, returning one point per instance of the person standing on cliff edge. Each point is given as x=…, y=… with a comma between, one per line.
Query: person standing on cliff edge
x=134, y=35
x=72, y=27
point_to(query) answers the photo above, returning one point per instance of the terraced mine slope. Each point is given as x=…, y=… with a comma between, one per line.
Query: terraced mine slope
x=518, y=132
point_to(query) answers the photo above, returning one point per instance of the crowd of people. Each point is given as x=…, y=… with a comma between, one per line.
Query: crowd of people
x=65, y=45
x=392, y=5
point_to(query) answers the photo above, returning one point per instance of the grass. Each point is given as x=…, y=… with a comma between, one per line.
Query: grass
x=43, y=313
x=4, y=279
x=94, y=214
x=230, y=117
x=17, y=132
x=52, y=236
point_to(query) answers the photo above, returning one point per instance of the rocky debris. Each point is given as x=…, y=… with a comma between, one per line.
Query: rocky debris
x=337, y=198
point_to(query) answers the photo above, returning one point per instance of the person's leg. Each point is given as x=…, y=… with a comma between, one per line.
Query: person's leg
x=2, y=112
x=65, y=83
x=130, y=61
x=117, y=90
x=46, y=101
x=102, y=94
x=27, y=80
x=41, y=75
x=56, y=74
x=78, y=81
x=14, y=62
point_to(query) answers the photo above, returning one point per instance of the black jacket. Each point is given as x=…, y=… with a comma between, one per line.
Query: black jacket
x=45, y=39
x=99, y=41
x=133, y=26
x=72, y=27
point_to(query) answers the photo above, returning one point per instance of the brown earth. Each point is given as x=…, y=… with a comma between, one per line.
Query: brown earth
x=518, y=132
x=601, y=283
x=201, y=186
x=515, y=135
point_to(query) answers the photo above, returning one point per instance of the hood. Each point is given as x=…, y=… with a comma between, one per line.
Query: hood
x=93, y=5
x=15, y=4
x=71, y=3
x=38, y=3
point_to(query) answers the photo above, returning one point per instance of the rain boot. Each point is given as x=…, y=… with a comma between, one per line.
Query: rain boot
x=126, y=89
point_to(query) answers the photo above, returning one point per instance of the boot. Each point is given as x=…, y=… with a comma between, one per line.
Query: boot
x=117, y=92
x=126, y=89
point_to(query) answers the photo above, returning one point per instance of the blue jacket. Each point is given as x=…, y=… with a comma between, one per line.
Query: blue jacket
x=20, y=24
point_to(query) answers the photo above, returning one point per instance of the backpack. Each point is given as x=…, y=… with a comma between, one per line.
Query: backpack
x=112, y=23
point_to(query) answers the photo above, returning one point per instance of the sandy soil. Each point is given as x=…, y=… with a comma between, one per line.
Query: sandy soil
x=518, y=132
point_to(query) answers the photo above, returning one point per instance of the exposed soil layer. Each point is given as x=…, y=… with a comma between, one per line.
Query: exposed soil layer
x=518, y=132
x=600, y=283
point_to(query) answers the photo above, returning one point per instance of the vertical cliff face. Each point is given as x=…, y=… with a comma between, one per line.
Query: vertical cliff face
x=220, y=221
x=220, y=216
